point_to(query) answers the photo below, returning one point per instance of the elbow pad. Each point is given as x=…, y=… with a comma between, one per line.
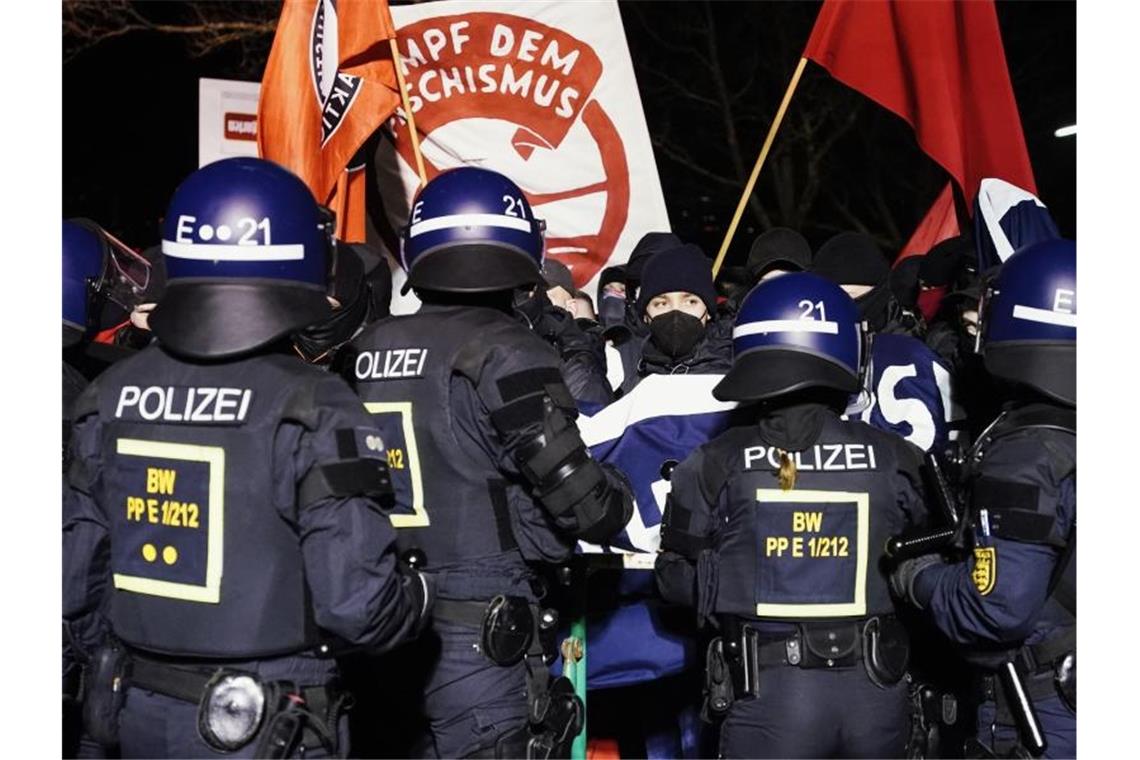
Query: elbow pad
x=602, y=518
x=351, y=477
x=683, y=531
x=570, y=484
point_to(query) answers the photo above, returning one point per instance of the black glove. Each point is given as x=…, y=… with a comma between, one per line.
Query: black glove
x=902, y=579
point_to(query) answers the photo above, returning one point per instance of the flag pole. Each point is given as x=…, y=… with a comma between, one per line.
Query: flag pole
x=759, y=163
x=408, y=111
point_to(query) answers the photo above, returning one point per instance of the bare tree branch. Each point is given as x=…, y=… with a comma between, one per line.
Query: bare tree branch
x=680, y=88
x=681, y=157
x=206, y=27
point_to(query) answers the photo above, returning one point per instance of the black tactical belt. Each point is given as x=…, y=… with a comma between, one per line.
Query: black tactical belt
x=470, y=613
x=791, y=651
x=184, y=683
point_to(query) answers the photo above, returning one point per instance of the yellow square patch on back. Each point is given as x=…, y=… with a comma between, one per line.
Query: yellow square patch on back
x=984, y=573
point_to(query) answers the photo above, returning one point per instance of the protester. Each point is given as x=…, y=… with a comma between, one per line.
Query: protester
x=549, y=312
x=773, y=252
x=677, y=304
x=628, y=336
x=908, y=389
x=855, y=262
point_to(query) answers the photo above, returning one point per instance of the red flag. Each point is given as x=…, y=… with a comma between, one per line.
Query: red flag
x=329, y=83
x=940, y=223
x=940, y=65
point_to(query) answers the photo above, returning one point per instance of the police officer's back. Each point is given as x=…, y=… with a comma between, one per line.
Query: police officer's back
x=100, y=286
x=1013, y=598
x=775, y=531
x=223, y=505
x=485, y=457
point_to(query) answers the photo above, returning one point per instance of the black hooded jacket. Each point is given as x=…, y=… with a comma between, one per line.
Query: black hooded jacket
x=712, y=355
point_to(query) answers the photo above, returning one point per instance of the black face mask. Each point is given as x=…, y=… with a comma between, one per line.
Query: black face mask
x=612, y=309
x=315, y=341
x=676, y=333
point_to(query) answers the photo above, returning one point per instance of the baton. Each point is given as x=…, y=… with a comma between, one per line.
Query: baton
x=943, y=494
x=1028, y=725
x=915, y=545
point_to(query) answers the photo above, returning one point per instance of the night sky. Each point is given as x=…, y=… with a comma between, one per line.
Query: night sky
x=130, y=121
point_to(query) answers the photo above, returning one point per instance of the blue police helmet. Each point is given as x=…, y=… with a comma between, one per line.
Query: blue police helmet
x=103, y=280
x=793, y=332
x=82, y=267
x=472, y=230
x=1028, y=320
x=246, y=249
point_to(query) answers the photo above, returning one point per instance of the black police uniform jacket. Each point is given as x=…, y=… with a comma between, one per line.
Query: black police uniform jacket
x=1019, y=585
x=456, y=390
x=735, y=543
x=200, y=510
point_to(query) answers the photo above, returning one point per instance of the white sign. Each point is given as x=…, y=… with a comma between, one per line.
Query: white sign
x=543, y=92
x=227, y=119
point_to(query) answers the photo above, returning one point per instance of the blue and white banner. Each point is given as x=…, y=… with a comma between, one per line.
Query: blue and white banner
x=911, y=393
x=632, y=636
x=1007, y=218
x=661, y=421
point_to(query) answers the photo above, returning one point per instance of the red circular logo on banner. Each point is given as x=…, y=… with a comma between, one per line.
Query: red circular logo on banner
x=512, y=94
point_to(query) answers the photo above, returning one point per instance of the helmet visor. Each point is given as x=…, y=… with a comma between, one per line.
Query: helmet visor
x=126, y=274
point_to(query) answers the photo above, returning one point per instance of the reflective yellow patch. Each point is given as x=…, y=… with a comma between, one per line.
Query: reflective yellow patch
x=985, y=569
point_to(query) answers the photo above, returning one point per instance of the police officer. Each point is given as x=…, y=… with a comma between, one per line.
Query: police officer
x=774, y=531
x=100, y=285
x=549, y=312
x=223, y=509
x=1013, y=600
x=488, y=461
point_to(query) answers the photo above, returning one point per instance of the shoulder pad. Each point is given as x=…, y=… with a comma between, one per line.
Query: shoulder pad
x=514, y=370
x=302, y=404
x=1046, y=416
x=1012, y=510
x=1034, y=416
x=505, y=340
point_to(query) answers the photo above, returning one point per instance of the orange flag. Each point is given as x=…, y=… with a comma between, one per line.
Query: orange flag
x=329, y=84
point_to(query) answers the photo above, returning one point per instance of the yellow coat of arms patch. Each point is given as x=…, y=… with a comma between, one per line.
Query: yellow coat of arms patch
x=984, y=574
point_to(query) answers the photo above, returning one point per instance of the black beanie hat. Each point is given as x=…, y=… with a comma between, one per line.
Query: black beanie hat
x=557, y=275
x=650, y=244
x=851, y=258
x=778, y=248
x=681, y=268
x=615, y=273
x=904, y=281
x=942, y=264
